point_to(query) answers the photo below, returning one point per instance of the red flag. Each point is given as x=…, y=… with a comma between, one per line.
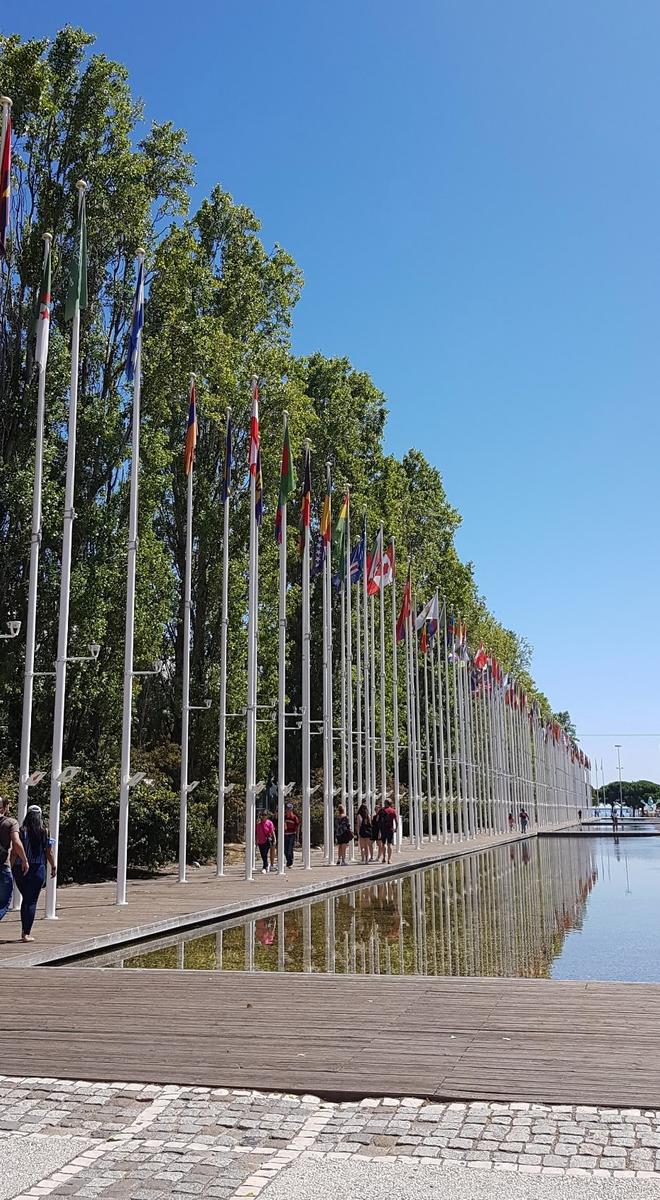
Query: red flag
x=254, y=428
x=375, y=568
x=406, y=605
x=424, y=641
x=5, y=186
x=191, y=431
x=481, y=658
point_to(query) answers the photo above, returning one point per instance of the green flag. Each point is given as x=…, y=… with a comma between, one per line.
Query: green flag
x=339, y=540
x=77, y=293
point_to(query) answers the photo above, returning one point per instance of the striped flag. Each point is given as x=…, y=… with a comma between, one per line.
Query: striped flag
x=191, y=431
x=226, y=477
x=136, y=326
x=5, y=182
x=253, y=459
x=306, y=498
x=357, y=560
x=43, y=311
x=389, y=567
x=287, y=483
x=77, y=294
x=339, y=539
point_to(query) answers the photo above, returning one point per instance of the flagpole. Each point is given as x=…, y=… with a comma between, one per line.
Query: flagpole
x=328, y=774
x=185, y=692
x=412, y=818
x=395, y=706
x=383, y=717
x=342, y=690
x=306, y=689
x=365, y=678
x=445, y=692
x=418, y=734
x=251, y=708
x=358, y=691
x=434, y=719
x=224, y=633
x=35, y=544
x=372, y=691
x=349, y=679
x=127, y=712
x=441, y=740
x=281, y=675
x=65, y=587
x=6, y=103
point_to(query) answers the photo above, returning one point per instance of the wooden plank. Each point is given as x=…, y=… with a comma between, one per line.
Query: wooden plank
x=442, y=1038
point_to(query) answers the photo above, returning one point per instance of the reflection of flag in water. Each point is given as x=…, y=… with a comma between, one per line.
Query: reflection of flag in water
x=5, y=182
x=226, y=478
x=259, y=491
x=191, y=431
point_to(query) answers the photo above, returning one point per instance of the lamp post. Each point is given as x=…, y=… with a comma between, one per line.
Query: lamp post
x=617, y=747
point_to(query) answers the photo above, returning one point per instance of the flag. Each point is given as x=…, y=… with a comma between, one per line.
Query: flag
x=326, y=521
x=254, y=428
x=424, y=641
x=77, y=294
x=287, y=483
x=480, y=659
x=406, y=605
x=5, y=185
x=318, y=557
x=259, y=491
x=191, y=431
x=428, y=613
x=43, y=311
x=357, y=561
x=388, y=564
x=226, y=478
x=339, y=539
x=375, y=567
x=136, y=325
x=306, y=499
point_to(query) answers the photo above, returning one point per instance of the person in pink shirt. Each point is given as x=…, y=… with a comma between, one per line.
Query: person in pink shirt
x=265, y=831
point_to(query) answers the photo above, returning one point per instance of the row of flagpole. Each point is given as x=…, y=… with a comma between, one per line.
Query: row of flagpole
x=474, y=752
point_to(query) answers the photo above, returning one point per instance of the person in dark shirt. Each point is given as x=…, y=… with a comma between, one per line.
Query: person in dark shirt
x=11, y=847
x=291, y=827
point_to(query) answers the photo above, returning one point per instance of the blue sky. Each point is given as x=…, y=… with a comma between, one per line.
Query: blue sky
x=473, y=193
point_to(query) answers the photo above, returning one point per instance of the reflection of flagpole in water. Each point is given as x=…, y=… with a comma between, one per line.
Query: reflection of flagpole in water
x=434, y=938
x=281, y=944
x=399, y=901
x=218, y=950
x=307, y=938
x=249, y=946
x=181, y=955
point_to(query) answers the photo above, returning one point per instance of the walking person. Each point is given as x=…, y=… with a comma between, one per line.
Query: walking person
x=38, y=849
x=511, y=822
x=524, y=819
x=615, y=818
x=388, y=826
x=11, y=847
x=365, y=834
x=265, y=834
x=291, y=827
x=343, y=835
x=375, y=832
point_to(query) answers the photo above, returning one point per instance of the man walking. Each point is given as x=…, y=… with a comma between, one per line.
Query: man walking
x=10, y=846
x=387, y=826
x=291, y=826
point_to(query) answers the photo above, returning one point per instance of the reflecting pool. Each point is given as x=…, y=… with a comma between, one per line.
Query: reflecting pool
x=563, y=908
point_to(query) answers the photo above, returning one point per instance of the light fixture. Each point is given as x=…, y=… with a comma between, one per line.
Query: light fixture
x=35, y=778
x=136, y=778
x=190, y=787
x=67, y=774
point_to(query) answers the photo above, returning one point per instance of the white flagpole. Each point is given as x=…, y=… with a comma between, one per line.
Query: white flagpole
x=306, y=689
x=441, y=739
x=65, y=586
x=224, y=633
x=35, y=543
x=349, y=679
x=410, y=731
x=427, y=739
x=418, y=731
x=395, y=707
x=342, y=689
x=365, y=679
x=434, y=721
x=127, y=712
x=358, y=692
x=450, y=773
x=185, y=691
x=383, y=717
x=372, y=692
x=281, y=682
x=328, y=774
x=251, y=710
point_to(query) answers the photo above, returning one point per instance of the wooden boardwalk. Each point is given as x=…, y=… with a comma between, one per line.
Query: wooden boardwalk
x=340, y=1037
x=89, y=919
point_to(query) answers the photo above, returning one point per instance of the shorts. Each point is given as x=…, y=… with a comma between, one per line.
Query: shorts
x=387, y=838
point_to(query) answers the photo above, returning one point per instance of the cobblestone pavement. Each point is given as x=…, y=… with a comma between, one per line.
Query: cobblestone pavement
x=150, y=1142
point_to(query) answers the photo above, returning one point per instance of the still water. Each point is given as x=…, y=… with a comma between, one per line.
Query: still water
x=563, y=908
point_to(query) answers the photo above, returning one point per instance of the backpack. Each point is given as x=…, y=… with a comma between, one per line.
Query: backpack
x=386, y=821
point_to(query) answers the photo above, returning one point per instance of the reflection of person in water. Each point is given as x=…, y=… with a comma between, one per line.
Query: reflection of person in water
x=265, y=929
